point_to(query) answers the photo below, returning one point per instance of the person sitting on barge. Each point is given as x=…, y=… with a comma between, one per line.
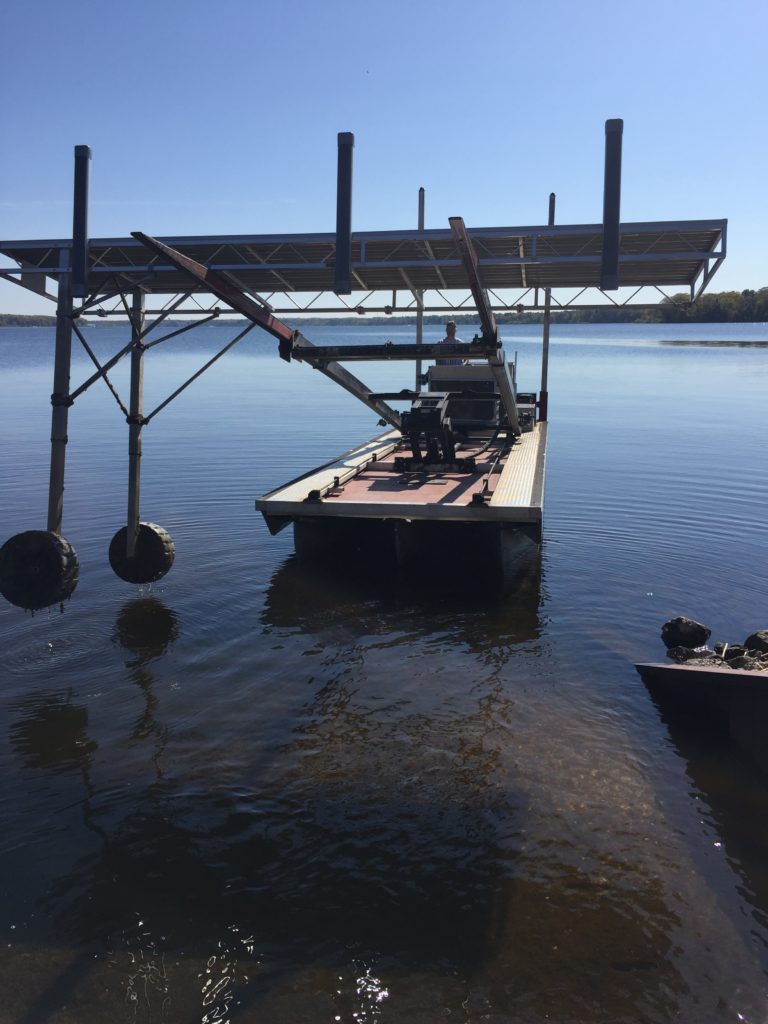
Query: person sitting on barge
x=450, y=339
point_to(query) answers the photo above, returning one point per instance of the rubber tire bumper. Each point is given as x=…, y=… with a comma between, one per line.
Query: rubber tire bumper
x=152, y=558
x=38, y=568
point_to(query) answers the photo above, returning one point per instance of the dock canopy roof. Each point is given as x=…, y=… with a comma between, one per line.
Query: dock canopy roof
x=665, y=254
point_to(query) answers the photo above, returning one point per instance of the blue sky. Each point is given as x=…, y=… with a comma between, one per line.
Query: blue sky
x=222, y=117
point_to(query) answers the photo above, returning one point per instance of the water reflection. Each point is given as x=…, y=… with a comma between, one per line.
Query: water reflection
x=314, y=600
x=384, y=856
x=315, y=865
x=324, y=889
x=146, y=629
x=723, y=746
x=381, y=851
x=50, y=733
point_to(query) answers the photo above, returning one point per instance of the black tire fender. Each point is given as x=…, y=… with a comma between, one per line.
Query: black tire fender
x=152, y=558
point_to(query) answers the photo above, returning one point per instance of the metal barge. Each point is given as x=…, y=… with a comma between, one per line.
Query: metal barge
x=462, y=465
x=455, y=478
x=723, y=701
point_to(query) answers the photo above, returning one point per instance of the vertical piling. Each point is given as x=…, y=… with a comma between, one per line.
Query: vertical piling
x=60, y=400
x=135, y=422
x=80, y=223
x=420, y=307
x=139, y=552
x=73, y=280
x=343, y=273
x=609, y=270
x=544, y=393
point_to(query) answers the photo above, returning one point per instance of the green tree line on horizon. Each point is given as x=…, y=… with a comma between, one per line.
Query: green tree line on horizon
x=748, y=306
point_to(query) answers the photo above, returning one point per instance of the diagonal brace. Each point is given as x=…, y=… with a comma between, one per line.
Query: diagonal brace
x=219, y=286
x=235, y=298
x=472, y=267
x=497, y=361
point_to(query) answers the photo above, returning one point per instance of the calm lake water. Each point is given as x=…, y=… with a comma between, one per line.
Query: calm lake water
x=258, y=792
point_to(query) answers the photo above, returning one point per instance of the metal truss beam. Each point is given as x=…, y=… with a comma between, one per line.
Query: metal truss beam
x=396, y=312
x=711, y=270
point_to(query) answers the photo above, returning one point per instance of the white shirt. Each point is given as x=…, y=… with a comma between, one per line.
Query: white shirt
x=450, y=362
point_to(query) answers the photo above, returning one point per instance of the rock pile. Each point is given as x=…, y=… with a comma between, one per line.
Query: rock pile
x=686, y=643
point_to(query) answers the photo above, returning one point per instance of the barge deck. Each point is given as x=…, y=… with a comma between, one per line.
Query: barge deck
x=365, y=483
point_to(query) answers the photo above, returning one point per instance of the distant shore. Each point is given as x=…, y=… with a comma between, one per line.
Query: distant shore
x=22, y=320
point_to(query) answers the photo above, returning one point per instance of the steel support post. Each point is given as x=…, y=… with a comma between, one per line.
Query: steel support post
x=73, y=280
x=343, y=273
x=135, y=422
x=60, y=399
x=544, y=394
x=609, y=270
x=80, y=223
x=420, y=308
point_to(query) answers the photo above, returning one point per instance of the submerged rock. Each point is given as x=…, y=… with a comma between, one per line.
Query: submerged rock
x=683, y=632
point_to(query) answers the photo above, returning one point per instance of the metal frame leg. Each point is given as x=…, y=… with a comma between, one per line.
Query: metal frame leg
x=544, y=393
x=135, y=422
x=60, y=401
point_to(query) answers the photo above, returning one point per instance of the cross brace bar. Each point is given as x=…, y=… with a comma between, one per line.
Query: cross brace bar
x=407, y=395
x=347, y=353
